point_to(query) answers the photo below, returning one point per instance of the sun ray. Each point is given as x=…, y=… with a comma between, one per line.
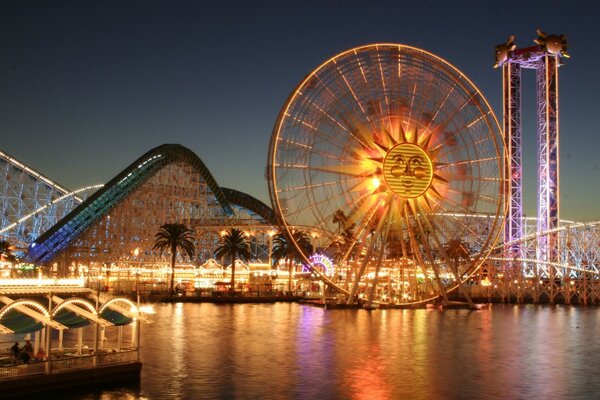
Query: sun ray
x=415, y=138
x=440, y=178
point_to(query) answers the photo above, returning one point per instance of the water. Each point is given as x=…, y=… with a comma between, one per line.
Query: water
x=281, y=351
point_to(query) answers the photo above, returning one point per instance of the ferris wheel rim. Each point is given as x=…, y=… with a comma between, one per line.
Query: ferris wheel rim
x=490, y=120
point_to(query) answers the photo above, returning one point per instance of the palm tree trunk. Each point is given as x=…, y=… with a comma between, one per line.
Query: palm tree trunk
x=232, y=286
x=173, y=256
x=290, y=276
x=461, y=287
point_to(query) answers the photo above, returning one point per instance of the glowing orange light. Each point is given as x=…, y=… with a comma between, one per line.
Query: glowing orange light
x=375, y=183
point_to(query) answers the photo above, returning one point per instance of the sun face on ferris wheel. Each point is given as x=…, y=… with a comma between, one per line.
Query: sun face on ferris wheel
x=403, y=163
x=392, y=154
x=408, y=168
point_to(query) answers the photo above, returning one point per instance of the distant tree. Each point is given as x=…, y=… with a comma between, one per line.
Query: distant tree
x=7, y=252
x=234, y=245
x=173, y=237
x=283, y=249
x=457, y=251
x=345, y=236
x=339, y=218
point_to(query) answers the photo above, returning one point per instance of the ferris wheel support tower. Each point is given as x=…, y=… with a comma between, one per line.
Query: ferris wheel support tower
x=545, y=59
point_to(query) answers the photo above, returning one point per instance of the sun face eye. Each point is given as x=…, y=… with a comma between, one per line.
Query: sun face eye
x=399, y=167
x=416, y=161
x=400, y=161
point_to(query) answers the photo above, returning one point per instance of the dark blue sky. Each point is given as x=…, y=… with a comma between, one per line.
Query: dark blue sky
x=87, y=87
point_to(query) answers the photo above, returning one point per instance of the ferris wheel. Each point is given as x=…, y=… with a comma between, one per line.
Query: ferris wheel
x=397, y=158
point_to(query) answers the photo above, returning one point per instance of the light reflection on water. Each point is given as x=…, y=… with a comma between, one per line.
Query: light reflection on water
x=275, y=351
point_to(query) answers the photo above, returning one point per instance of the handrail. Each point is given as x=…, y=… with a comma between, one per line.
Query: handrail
x=70, y=362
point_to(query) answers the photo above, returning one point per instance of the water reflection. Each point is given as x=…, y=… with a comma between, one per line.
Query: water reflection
x=281, y=351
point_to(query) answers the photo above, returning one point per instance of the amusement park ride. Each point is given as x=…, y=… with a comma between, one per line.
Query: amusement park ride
x=422, y=135
x=390, y=153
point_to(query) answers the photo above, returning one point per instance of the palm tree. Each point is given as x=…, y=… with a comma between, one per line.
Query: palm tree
x=345, y=235
x=456, y=251
x=284, y=250
x=234, y=245
x=172, y=237
x=339, y=218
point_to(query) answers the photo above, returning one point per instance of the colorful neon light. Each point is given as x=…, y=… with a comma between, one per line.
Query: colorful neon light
x=320, y=259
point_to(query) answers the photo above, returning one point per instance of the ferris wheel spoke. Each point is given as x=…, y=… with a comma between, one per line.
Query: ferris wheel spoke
x=379, y=260
x=458, y=207
x=348, y=170
x=441, y=247
x=360, y=67
x=323, y=85
x=489, y=199
x=364, y=234
x=383, y=84
x=288, y=143
x=403, y=242
x=404, y=144
x=441, y=106
x=419, y=113
x=317, y=204
x=413, y=96
x=465, y=206
x=456, y=111
x=364, y=215
x=316, y=185
x=451, y=222
x=304, y=149
x=340, y=125
x=492, y=160
x=460, y=150
x=311, y=148
x=477, y=120
x=352, y=92
x=428, y=253
x=450, y=146
x=451, y=262
x=454, y=220
x=359, y=210
x=411, y=234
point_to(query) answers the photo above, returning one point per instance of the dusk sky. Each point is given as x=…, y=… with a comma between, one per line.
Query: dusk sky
x=87, y=87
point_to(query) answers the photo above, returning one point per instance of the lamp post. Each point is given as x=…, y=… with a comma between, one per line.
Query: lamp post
x=136, y=253
x=138, y=271
x=271, y=233
x=99, y=278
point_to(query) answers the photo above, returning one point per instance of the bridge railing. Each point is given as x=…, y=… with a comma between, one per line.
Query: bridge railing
x=66, y=362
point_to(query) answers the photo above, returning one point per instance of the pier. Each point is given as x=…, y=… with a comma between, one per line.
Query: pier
x=58, y=334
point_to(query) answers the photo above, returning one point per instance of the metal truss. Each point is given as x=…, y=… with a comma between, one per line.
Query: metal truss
x=545, y=62
x=548, y=215
x=513, y=228
x=119, y=188
x=174, y=194
x=573, y=278
x=169, y=184
x=31, y=203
